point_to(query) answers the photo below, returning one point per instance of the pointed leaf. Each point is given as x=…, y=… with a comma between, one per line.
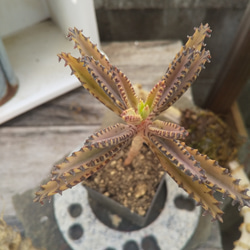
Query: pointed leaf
x=86, y=47
x=83, y=73
x=105, y=80
x=97, y=148
x=219, y=179
x=155, y=94
x=58, y=185
x=167, y=130
x=183, y=70
x=198, y=191
x=180, y=77
x=195, y=41
x=97, y=151
x=125, y=88
x=114, y=83
x=179, y=156
x=130, y=117
x=111, y=135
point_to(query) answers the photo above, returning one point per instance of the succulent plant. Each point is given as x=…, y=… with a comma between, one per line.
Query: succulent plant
x=198, y=175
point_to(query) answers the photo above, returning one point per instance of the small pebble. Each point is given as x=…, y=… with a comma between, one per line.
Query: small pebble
x=113, y=172
x=113, y=163
x=140, y=189
x=141, y=211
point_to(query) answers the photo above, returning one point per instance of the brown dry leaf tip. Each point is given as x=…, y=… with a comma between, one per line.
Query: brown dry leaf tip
x=196, y=173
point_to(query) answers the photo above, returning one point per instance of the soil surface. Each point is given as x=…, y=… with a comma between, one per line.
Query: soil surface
x=211, y=136
x=133, y=186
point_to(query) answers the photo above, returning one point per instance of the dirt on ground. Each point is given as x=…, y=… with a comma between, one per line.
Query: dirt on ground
x=211, y=135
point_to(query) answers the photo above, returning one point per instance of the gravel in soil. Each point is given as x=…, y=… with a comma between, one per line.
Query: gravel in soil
x=134, y=185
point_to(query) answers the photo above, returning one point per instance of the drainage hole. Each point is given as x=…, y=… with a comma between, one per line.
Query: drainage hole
x=76, y=232
x=183, y=202
x=150, y=243
x=130, y=245
x=75, y=210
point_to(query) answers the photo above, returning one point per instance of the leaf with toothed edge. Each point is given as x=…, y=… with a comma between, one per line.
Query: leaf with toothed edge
x=113, y=90
x=198, y=191
x=58, y=185
x=80, y=70
x=125, y=88
x=155, y=94
x=195, y=41
x=105, y=80
x=130, y=116
x=219, y=179
x=183, y=70
x=179, y=156
x=111, y=135
x=86, y=47
x=97, y=151
x=167, y=130
x=180, y=77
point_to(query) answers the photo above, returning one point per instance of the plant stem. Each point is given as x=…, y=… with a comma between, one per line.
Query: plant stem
x=134, y=149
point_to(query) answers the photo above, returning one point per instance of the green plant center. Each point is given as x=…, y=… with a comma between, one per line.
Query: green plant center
x=143, y=109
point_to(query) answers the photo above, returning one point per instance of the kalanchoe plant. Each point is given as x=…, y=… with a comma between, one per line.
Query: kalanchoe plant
x=195, y=173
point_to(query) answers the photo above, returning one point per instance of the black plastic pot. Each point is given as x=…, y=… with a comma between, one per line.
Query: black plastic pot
x=103, y=202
